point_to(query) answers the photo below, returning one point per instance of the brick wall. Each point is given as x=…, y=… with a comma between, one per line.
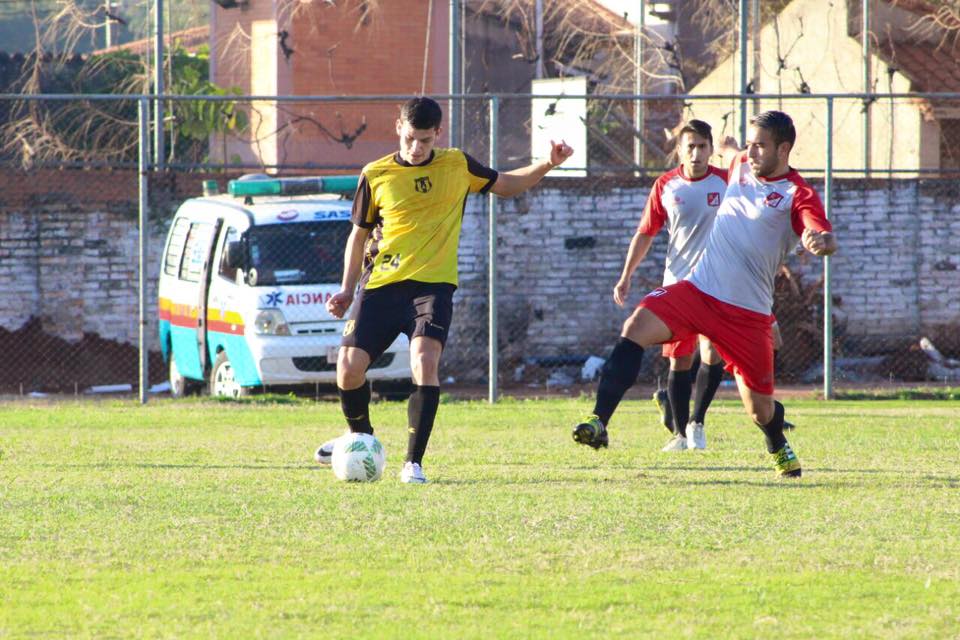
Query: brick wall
x=562, y=246
x=68, y=255
x=69, y=248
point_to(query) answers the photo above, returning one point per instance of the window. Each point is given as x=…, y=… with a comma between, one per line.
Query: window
x=178, y=236
x=300, y=253
x=230, y=235
x=195, y=251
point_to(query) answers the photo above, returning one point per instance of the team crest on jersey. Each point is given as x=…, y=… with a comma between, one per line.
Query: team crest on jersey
x=659, y=291
x=773, y=199
x=713, y=199
x=422, y=185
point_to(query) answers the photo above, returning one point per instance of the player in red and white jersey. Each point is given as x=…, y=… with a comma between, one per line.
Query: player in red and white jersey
x=729, y=295
x=685, y=201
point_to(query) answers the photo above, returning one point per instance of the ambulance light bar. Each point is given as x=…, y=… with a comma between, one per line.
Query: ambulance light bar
x=293, y=186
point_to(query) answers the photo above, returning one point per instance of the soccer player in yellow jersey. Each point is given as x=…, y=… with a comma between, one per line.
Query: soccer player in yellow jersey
x=400, y=265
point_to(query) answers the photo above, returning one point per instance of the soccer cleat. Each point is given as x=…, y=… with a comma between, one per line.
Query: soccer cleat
x=662, y=401
x=412, y=473
x=324, y=453
x=786, y=462
x=677, y=443
x=788, y=426
x=591, y=432
x=696, y=438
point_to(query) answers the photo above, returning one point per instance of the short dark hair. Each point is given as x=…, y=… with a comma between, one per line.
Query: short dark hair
x=777, y=123
x=421, y=113
x=698, y=127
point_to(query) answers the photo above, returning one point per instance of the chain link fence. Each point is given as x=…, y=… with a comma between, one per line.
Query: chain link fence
x=69, y=239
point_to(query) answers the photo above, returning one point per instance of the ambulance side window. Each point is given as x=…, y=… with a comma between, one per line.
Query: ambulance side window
x=178, y=237
x=194, y=253
x=230, y=235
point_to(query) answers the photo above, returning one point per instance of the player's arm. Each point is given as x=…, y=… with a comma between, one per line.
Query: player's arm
x=364, y=217
x=639, y=246
x=653, y=219
x=512, y=183
x=729, y=150
x=809, y=219
x=339, y=302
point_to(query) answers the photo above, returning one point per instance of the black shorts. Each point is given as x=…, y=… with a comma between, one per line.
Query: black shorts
x=415, y=308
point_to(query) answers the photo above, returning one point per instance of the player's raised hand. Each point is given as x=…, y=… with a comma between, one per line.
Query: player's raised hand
x=729, y=142
x=559, y=152
x=339, y=302
x=819, y=243
x=621, y=290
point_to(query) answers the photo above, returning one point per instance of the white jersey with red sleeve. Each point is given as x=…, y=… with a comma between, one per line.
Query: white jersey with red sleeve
x=687, y=207
x=757, y=225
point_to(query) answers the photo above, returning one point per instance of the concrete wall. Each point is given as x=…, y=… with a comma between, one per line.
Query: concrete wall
x=68, y=243
x=561, y=249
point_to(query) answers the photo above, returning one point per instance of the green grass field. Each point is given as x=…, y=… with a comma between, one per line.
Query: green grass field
x=199, y=519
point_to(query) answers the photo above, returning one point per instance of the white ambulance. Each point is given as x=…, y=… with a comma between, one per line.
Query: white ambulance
x=244, y=281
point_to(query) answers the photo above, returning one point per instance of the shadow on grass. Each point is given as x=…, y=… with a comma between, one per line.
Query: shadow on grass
x=632, y=480
x=163, y=465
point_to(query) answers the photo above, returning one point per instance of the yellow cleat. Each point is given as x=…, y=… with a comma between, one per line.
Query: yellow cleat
x=786, y=462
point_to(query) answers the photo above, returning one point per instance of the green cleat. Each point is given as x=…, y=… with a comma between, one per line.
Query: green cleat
x=662, y=401
x=786, y=462
x=591, y=432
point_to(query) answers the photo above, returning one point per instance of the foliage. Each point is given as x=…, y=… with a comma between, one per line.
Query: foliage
x=197, y=120
x=101, y=131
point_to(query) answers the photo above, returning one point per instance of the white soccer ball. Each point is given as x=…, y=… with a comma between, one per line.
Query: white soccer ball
x=358, y=457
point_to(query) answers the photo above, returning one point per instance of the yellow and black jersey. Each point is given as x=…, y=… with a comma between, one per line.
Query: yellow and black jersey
x=415, y=212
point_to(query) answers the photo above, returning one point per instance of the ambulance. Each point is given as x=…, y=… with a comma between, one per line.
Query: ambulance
x=244, y=281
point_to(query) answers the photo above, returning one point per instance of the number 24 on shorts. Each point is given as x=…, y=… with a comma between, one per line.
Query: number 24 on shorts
x=389, y=261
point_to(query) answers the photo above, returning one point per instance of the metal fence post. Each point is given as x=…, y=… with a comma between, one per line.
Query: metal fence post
x=492, y=259
x=160, y=153
x=827, y=296
x=455, y=78
x=143, y=112
x=743, y=72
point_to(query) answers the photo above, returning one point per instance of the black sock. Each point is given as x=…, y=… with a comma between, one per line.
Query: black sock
x=776, y=362
x=678, y=391
x=773, y=430
x=618, y=374
x=355, y=404
x=708, y=381
x=421, y=412
x=695, y=364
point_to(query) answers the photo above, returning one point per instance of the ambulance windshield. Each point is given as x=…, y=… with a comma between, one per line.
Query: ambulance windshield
x=298, y=253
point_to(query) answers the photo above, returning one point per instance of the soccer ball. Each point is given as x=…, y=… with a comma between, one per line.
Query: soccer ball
x=358, y=457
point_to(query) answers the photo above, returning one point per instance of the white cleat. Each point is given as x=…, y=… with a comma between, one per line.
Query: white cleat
x=412, y=474
x=324, y=453
x=677, y=443
x=696, y=438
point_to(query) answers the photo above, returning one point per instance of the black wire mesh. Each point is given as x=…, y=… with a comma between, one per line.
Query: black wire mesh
x=69, y=233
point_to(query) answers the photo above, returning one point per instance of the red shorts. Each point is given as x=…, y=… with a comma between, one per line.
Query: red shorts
x=680, y=348
x=741, y=336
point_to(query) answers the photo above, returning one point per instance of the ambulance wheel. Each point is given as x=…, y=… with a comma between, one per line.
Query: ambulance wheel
x=222, y=382
x=180, y=386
